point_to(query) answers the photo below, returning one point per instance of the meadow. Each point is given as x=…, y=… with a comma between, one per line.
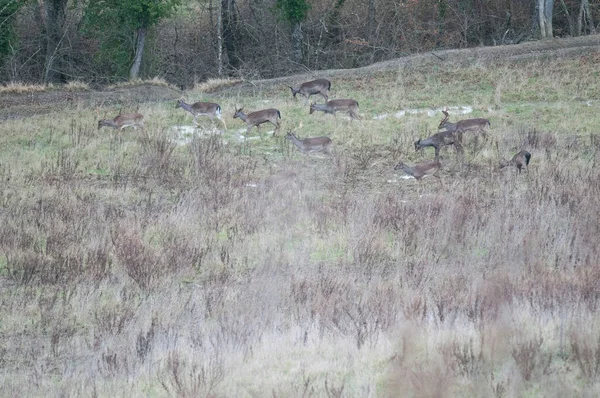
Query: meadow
x=169, y=262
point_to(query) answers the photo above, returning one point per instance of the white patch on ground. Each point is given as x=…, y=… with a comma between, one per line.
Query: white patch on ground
x=184, y=135
x=380, y=117
x=242, y=137
x=453, y=110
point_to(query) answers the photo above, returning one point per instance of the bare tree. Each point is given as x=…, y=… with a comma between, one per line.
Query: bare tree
x=54, y=16
x=545, y=10
x=585, y=18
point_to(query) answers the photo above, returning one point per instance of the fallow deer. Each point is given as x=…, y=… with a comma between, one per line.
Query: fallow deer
x=341, y=105
x=421, y=170
x=463, y=126
x=319, y=86
x=439, y=140
x=134, y=120
x=311, y=145
x=257, y=118
x=209, y=109
x=520, y=161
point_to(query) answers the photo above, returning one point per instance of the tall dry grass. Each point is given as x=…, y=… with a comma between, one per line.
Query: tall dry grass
x=133, y=265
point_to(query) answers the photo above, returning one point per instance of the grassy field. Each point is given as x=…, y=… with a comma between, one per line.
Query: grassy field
x=168, y=263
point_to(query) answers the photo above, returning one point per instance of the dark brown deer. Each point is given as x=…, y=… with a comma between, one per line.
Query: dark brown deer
x=257, y=118
x=134, y=120
x=334, y=106
x=439, y=140
x=463, y=126
x=520, y=161
x=319, y=86
x=209, y=109
x=421, y=170
x=311, y=145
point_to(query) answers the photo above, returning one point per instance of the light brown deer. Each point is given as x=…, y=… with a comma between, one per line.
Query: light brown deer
x=463, y=126
x=257, y=118
x=421, y=170
x=311, y=145
x=520, y=161
x=439, y=140
x=134, y=120
x=334, y=106
x=319, y=86
x=209, y=109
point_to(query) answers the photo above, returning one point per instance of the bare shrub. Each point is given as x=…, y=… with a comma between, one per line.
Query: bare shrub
x=527, y=355
x=464, y=358
x=157, y=155
x=586, y=352
x=190, y=378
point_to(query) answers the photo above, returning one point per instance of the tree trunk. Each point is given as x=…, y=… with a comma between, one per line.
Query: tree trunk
x=297, y=42
x=545, y=12
x=585, y=18
x=54, y=15
x=139, y=51
x=231, y=40
x=220, y=40
x=371, y=21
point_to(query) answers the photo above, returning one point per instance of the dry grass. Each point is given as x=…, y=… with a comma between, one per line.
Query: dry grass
x=131, y=263
x=212, y=85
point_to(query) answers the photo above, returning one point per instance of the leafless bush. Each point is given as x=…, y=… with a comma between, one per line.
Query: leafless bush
x=586, y=352
x=191, y=378
x=157, y=153
x=465, y=358
x=527, y=355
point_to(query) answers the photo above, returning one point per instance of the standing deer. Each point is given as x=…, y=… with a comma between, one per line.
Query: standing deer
x=311, y=145
x=134, y=120
x=439, y=140
x=257, y=118
x=209, y=109
x=341, y=105
x=520, y=161
x=463, y=126
x=319, y=86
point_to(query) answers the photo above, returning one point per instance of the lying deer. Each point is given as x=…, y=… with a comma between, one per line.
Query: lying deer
x=421, y=170
x=520, y=161
x=134, y=120
x=257, y=118
x=341, y=105
x=463, y=126
x=209, y=109
x=311, y=145
x=319, y=86
x=439, y=140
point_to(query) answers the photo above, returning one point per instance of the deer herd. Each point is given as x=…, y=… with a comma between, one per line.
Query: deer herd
x=449, y=133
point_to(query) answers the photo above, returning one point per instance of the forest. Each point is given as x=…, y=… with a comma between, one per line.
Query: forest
x=188, y=41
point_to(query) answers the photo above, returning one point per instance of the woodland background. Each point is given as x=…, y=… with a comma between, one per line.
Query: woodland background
x=189, y=41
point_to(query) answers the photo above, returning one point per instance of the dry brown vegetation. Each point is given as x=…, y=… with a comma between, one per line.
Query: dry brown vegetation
x=131, y=265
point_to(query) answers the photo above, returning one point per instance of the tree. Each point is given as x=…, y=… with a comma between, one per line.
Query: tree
x=128, y=17
x=54, y=16
x=545, y=10
x=231, y=35
x=8, y=10
x=294, y=12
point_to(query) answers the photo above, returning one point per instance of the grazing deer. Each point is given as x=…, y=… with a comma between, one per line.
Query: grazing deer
x=341, y=105
x=311, y=145
x=421, y=170
x=134, y=120
x=257, y=118
x=439, y=140
x=520, y=161
x=463, y=126
x=319, y=86
x=209, y=109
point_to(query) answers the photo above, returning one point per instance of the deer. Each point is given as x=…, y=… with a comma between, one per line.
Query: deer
x=257, y=118
x=520, y=161
x=341, y=105
x=209, y=109
x=134, y=120
x=439, y=140
x=311, y=145
x=421, y=170
x=319, y=86
x=463, y=126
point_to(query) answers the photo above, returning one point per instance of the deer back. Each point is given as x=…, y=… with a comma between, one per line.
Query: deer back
x=343, y=104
